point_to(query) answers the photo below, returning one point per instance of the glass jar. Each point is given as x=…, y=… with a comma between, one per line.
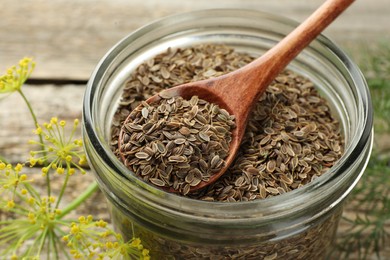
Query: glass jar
x=300, y=224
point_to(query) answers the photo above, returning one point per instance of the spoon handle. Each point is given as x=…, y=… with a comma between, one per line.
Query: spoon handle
x=264, y=69
x=277, y=58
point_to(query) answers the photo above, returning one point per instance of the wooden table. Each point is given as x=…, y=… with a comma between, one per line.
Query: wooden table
x=67, y=38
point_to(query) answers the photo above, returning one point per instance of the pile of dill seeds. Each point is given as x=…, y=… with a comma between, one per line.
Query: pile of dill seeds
x=176, y=143
x=291, y=138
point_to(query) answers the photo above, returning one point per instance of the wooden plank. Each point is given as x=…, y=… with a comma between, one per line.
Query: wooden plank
x=68, y=37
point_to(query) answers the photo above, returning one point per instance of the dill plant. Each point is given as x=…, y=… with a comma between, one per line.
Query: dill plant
x=37, y=226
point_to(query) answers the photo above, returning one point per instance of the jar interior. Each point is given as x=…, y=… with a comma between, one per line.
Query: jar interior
x=316, y=63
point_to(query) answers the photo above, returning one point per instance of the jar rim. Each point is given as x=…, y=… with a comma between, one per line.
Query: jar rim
x=277, y=203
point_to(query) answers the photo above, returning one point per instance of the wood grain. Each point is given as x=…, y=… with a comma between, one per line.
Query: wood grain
x=64, y=102
x=68, y=38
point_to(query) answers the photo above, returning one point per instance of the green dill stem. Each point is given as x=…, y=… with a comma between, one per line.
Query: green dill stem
x=40, y=135
x=62, y=190
x=8, y=236
x=53, y=243
x=42, y=238
x=92, y=188
x=33, y=192
x=30, y=233
x=18, y=210
x=60, y=243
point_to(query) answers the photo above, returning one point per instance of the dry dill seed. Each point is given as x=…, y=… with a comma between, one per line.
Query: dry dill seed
x=291, y=137
x=157, y=136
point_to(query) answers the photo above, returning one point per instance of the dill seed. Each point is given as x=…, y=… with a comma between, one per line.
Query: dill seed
x=169, y=143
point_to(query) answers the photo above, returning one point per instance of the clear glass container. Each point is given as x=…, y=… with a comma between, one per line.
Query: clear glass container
x=300, y=224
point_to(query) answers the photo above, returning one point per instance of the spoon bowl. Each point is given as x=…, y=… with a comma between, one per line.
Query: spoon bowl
x=238, y=91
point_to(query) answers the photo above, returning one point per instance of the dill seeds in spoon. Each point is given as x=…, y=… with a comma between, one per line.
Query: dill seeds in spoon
x=177, y=143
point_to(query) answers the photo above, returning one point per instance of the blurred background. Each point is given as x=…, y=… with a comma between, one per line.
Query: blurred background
x=80, y=32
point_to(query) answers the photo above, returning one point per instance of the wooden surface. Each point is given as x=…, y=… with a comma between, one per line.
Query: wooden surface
x=68, y=37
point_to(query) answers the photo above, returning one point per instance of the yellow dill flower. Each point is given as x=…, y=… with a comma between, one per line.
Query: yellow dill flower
x=2, y=166
x=15, y=76
x=31, y=201
x=59, y=151
x=52, y=199
x=101, y=223
x=88, y=237
x=12, y=182
x=10, y=204
x=65, y=238
x=32, y=219
x=60, y=170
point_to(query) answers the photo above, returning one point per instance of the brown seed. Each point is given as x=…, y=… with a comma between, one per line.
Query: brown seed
x=142, y=155
x=239, y=182
x=179, y=141
x=189, y=177
x=195, y=182
x=131, y=127
x=203, y=165
x=215, y=161
x=252, y=170
x=289, y=150
x=201, y=119
x=269, y=131
x=160, y=147
x=186, y=189
x=265, y=140
x=165, y=73
x=148, y=169
x=271, y=165
x=272, y=190
x=177, y=158
x=149, y=151
x=157, y=182
x=204, y=136
x=184, y=131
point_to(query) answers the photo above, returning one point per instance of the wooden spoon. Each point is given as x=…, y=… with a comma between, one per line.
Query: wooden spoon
x=238, y=91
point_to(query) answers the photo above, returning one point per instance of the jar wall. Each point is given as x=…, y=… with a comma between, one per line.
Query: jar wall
x=299, y=224
x=310, y=242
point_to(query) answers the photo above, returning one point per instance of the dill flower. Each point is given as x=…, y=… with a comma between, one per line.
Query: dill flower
x=38, y=219
x=59, y=152
x=33, y=216
x=12, y=184
x=34, y=220
x=89, y=239
x=15, y=76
